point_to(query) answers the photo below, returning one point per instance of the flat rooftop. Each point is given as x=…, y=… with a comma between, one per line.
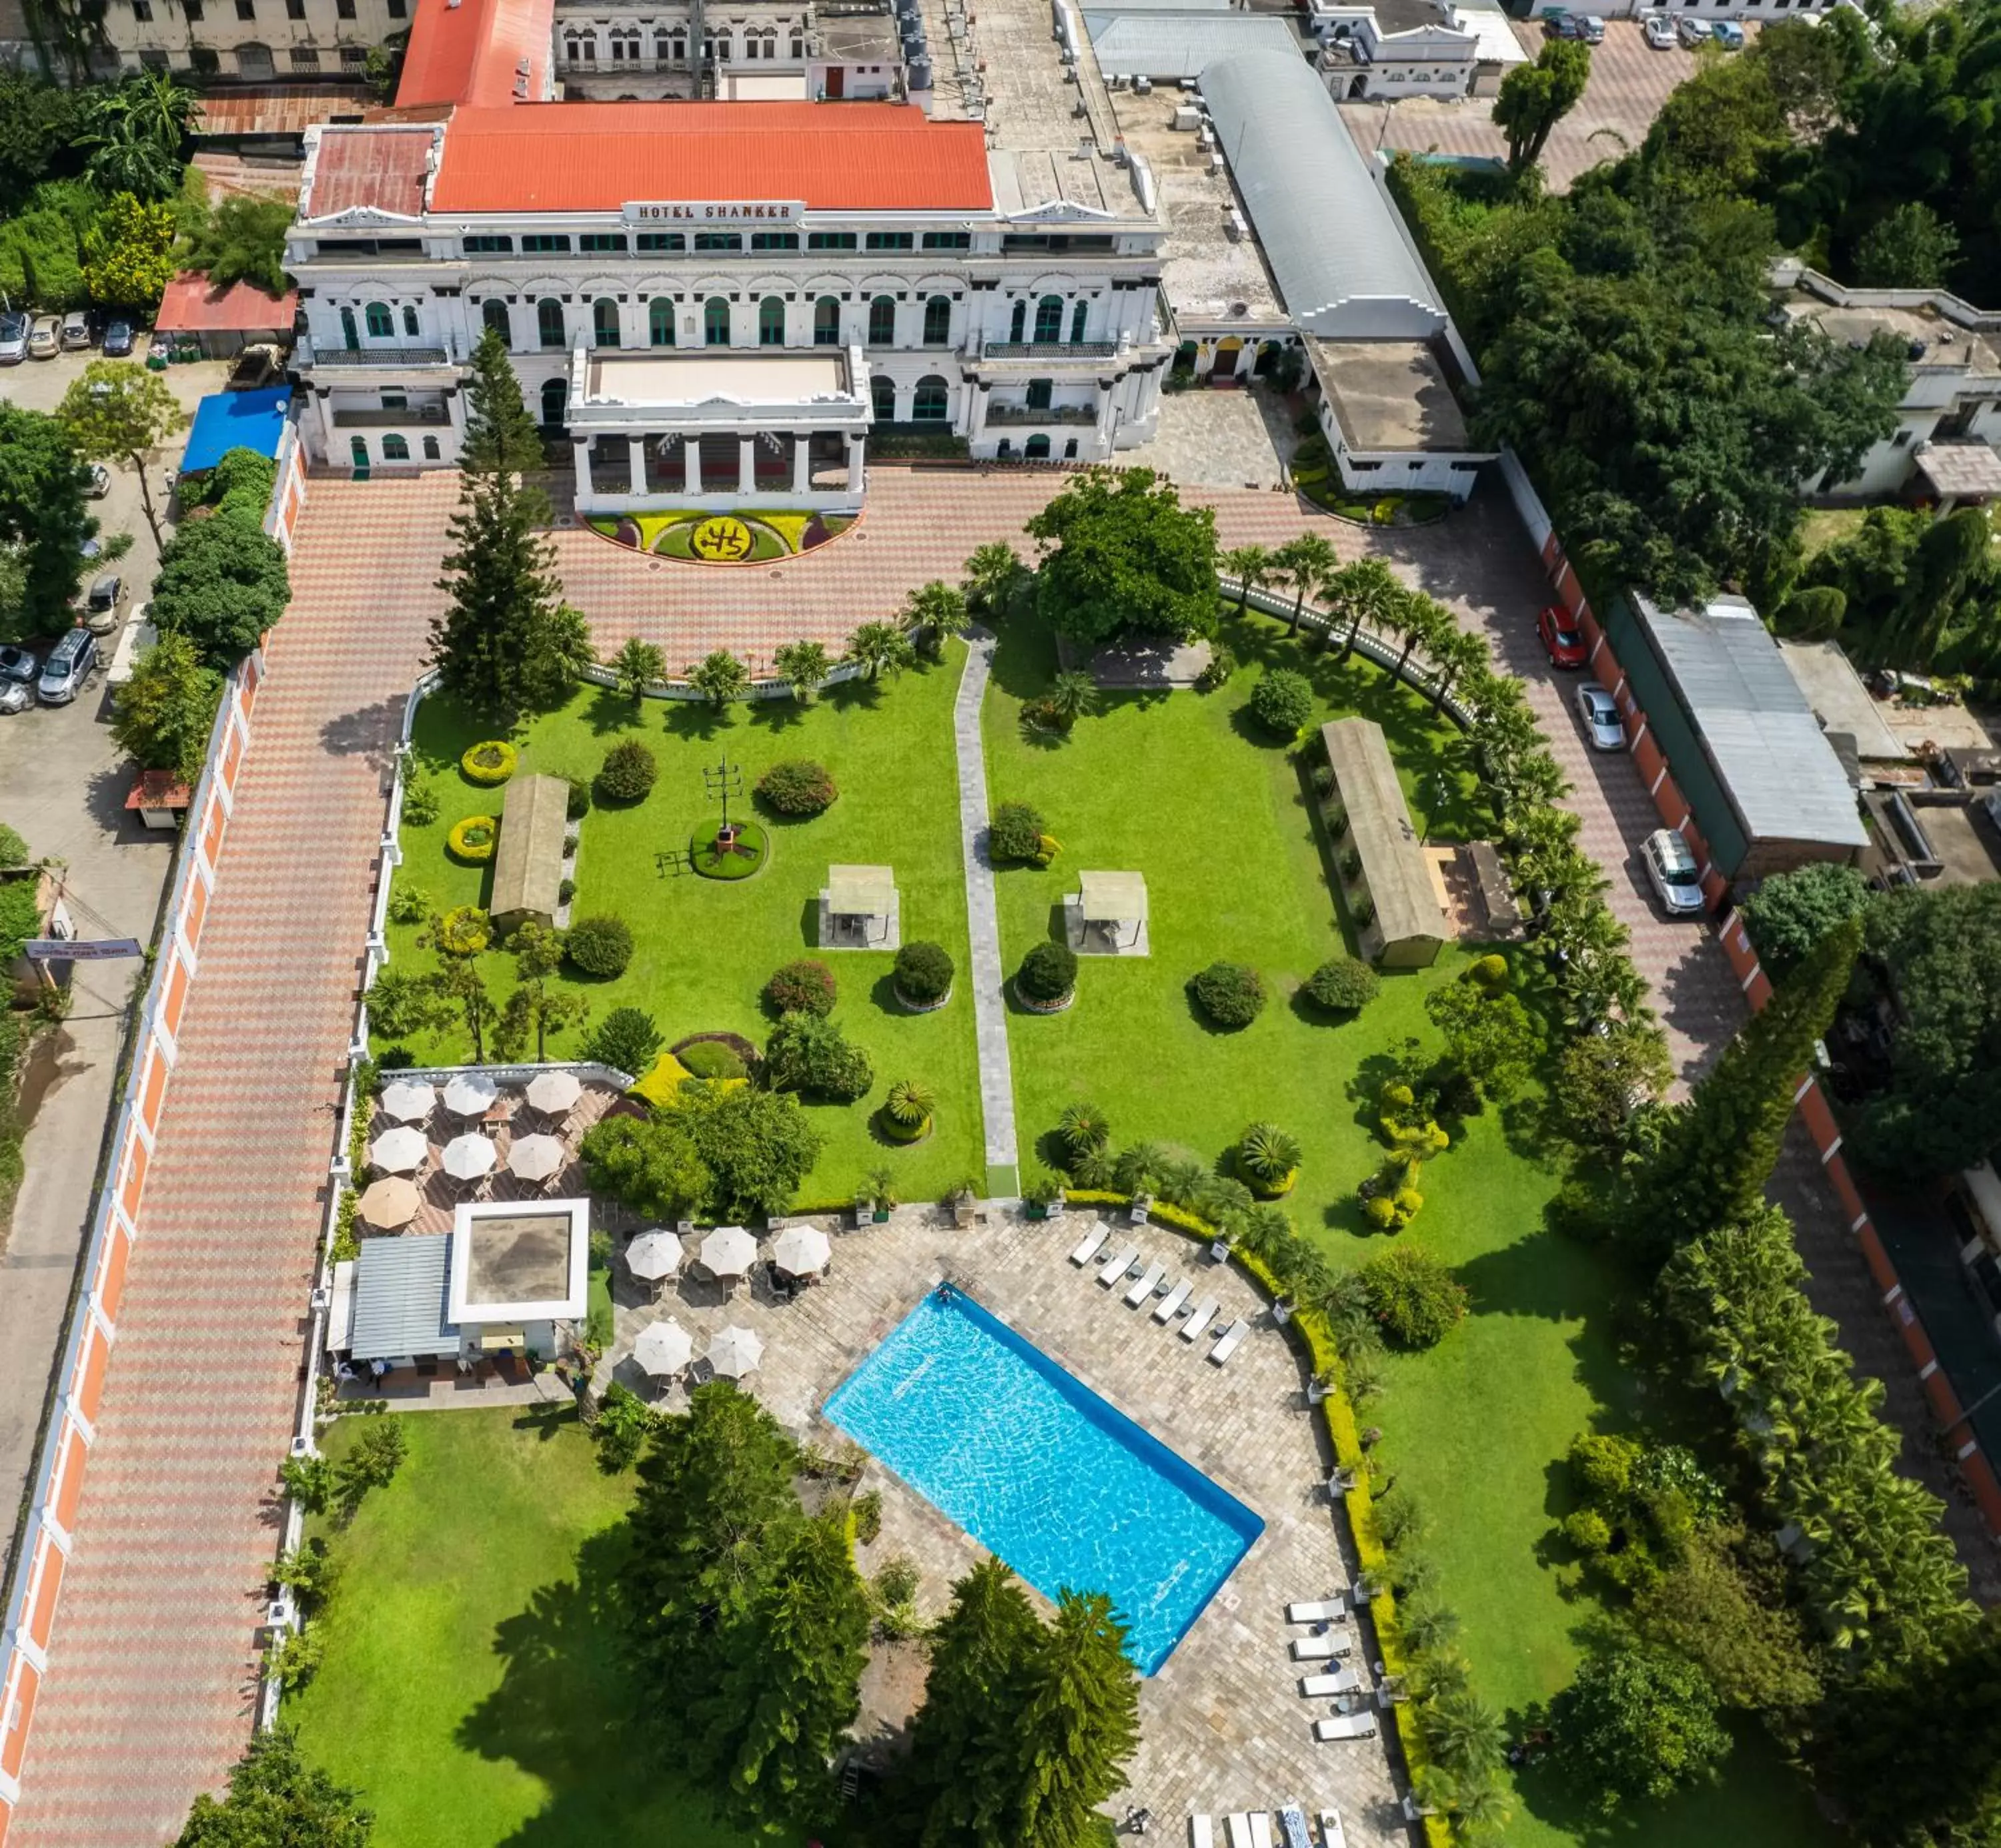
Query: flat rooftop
x=1946, y=343
x=1389, y=394
x=518, y=1257
x=670, y=376
x=1840, y=700
x=1024, y=178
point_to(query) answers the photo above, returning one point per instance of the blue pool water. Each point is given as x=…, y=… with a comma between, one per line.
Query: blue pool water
x=1039, y=1469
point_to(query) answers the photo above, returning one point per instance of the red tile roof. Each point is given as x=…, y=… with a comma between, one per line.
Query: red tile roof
x=594, y=156
x=159, y=789
x=471, y=51
x=277, y=108
x=190, y=307
x=380, y=167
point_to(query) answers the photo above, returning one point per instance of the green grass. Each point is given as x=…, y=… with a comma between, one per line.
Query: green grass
x=471, y=1688
x=704, y=948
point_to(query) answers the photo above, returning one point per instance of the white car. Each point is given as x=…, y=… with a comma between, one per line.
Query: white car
x=16, y=696
x=1600, y=714
x=1672, y=869
x=1660, y=31
x=1693, y=32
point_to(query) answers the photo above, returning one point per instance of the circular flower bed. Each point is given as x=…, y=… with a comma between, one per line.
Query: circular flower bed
x=489, y=762
x=745, y=854
x=922, y=977
x=1046, y=982
x=473, y=840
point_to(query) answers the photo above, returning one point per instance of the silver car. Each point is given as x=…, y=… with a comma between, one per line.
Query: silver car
x=1671, y=871
x=67, y=668
x=1600, y=714
x=1693, y=32
x=13, y=339
x=1660, y=31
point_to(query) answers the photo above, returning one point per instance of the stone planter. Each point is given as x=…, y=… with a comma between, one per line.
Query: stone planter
x=910, y=1006
x=1031, y=1005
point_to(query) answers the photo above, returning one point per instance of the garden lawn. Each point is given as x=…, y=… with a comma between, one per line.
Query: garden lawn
x=704, y=948
x=471, y=1689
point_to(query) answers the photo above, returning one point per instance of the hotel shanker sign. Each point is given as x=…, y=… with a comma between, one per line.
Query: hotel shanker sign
x=714, y=211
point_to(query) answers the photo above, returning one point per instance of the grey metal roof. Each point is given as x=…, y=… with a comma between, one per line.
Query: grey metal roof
x=1327, y=231
x=1168, y=46
x=1160, y=6
x=1775, y=763
x=399, y=1297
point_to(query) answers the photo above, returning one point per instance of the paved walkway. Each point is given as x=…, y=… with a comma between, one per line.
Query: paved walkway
x=989, y=976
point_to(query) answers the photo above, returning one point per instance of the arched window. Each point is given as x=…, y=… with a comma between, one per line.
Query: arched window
x=678, y=50
x=493, y=312
x=409, y=323
x=604, y=321
x=1037, y=448
x=1076, y=317
x=660, y=322
x=930, y=402
x=1049, y=320
x=382, y=323
x=938, y=321
x=349, y=337
x=882, y=322
x=431, y=449
x=549, y=321
x=883, y=392
x=1018, y=328
x=357, y=447
x=827, y=322
x=1039, y=393
x=771, y=321
x=715, y=322
x=395, y=448
x=555, y=401
x=798, y=45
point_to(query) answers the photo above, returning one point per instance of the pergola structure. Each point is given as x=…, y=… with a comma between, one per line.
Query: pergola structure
x=1107, y=915
x=859, y=909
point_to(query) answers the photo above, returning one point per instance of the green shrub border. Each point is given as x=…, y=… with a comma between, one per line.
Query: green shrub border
x=469, y=853
x=486, y=778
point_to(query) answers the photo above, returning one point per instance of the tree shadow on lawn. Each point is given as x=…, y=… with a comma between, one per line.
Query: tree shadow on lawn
x=1024, y=659
x=697, y=721
x=779, y=716
x=611, y=712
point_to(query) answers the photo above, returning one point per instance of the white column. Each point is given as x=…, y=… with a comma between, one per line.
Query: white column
x=855, y=440
x=746, y=465
x=579, y=449
x=803, y=462
x=691, y=456
x=635, y=463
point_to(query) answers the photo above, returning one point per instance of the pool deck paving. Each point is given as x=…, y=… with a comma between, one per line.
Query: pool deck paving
x=1223, y=1725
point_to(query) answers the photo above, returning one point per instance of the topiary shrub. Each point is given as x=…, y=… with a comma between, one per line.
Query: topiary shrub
x=578, y=806
x=627, y=773
x=488, y=763
x=421, y=803
x=1231, y=994
x=1269, y=1159
x=805, y=986
x=1015, y=832
x=628, y=1039
x=797, y=787
x=472, y=841
x=1282, y=700
x=1342, y=984
x=600, y=946
x=711, y=1059
x=923, y=974
x=908, y=1110
x=1048, y=973
x=1415, y=1300
x=1489, y=973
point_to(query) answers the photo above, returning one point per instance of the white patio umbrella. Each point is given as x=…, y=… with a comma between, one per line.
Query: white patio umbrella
x=663, y=1348
x=802, y=1250
x=408, y=1101
x=536, y=1157
x=469, y=1095
x=390, y=1204
x=735, y=1351
x=467, y=1157
x=728, y=1251
x=552, y=1093
x=653, y=1255
x=398, y=1151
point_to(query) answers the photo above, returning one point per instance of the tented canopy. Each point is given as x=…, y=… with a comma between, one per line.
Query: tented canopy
x=467, y=1157
x=470, y=1095
x=398, y=1151
x=728, y=1251
x=390, y=1204
x=663, y=1348
x=1113, y=897
x=653, y=1255
x=735, y=1351
x=408, y=1101
x=552, y=1093
x=802, y=1250
x=536, y=1157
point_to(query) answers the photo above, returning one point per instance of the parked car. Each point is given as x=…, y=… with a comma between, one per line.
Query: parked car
x=1728, y=34
x=16, y=696
x=1560, y=635
x=1600, y=714
x=69, y=665
x=1660, y=31
x=1587, y=26
x=100, y=609
x=1693, y=32
x=18, y=664
x=1671, y=871
x=13, y=339
x=45, y=338
x=118, y=340
x=100, y=482
x=76, y=332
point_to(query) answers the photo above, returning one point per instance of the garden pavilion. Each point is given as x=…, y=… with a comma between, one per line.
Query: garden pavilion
x=859, y=910
x=1107, y=915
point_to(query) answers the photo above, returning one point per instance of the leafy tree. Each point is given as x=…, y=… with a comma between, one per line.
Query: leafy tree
x=1120, y=553
x=720, y=678
x=1282, y=700
x=496, y=642
x=120, y=412
x=1603, y=1078
x=1534, y=98
x=135, y=132
x=372, y=1461
x=1790, y=912
x=164, y=713
x=276, y=1800
x=649, y=1164
x=222, y=584
x=804, y=666
x=1079, y=1722
x=401, y=1002
x=809, y=1052
x=128, y=254
x=639, y=665
x=536, y=1007
x=43, y=519
x=1640, y=1722
x=501, y=437
x=242, y=240
x=936, y=612
x=758, y=1147
x=1907, y=248
x=38, y=121
x=1415, y=1300
x=461, y=987
x=628, y=1039
x=876, y=646
x=1733, y=1619
x=1305, y=563
x=1490, y=1037
x=625, y=1422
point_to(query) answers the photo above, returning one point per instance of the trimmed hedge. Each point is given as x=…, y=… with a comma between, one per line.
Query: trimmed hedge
x=711, y=1059
x=797, y=787
x=490, y=763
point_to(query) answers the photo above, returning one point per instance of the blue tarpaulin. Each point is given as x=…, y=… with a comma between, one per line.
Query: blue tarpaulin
x=227, y=420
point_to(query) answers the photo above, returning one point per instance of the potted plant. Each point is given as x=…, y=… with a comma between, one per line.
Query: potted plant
x=1043, y=1193
x=881, y=1195
x=964, y=1200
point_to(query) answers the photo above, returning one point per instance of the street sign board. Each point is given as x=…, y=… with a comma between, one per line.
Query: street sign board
x=76, y=949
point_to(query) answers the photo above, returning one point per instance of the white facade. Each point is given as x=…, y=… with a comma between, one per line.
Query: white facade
x=257, y=41
x=756, y=50
x=1361, y=59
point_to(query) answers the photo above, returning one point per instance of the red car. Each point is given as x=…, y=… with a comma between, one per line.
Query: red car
x=1561, y=636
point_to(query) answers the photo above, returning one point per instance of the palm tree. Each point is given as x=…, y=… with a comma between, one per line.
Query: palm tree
x=1367, y=591
x=720, y=678
x=876, y=646
x=1305, y=563
x=1073, y=695
x=1267, y=1155
x=1083, y=1128
x=1465, y=1734
x=938, y=612
x=1416, y=619
x=1250, y=565
x=991, y=576
x=1454, y=653
x=804, y=666
x=639, y=665
x=1136, y=1169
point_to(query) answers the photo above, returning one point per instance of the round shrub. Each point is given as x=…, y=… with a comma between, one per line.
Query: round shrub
x=1231, y=994
x=1015, y=832
x=1380, y=1211
x=420, y=804
x=1282, y=700
x=599, y=946
x=578, y=804
x=490, y=762
x=627, y=773
x=923, y=973
x=473, y=840
x=464, y=931
x=565, y=891
x=1341, y=985
x=1269, y=1159
x=802, y=988
x=1048, y=973
x=1416, y=1300
x=1489, y=973
x=907, y=1111
x=797, y=787
x=711, y=1059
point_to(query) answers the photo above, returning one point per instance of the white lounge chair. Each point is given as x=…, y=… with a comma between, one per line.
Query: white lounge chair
x=1170, y=1305
x=1324, y=1687
x=1114, y=1269
x=1150, y=1281
x=1261, y=1829
x=1332, y=1833
x=1327, y=1611
x=1346, y=1726
x=1292, y=1826
x=1199, y=1318
x=1232, y=1339
x=1201, y=1832
x=1093, y=1239
x=1240, y=1830
x=1322, y=1648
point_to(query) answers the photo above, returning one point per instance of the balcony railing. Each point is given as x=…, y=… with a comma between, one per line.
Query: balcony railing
x=373, y=356
x=1048, y=413
x=374, y=417
x=1051, y=350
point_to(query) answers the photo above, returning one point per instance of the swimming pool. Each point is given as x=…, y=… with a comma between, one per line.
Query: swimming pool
x=1039, y=1469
